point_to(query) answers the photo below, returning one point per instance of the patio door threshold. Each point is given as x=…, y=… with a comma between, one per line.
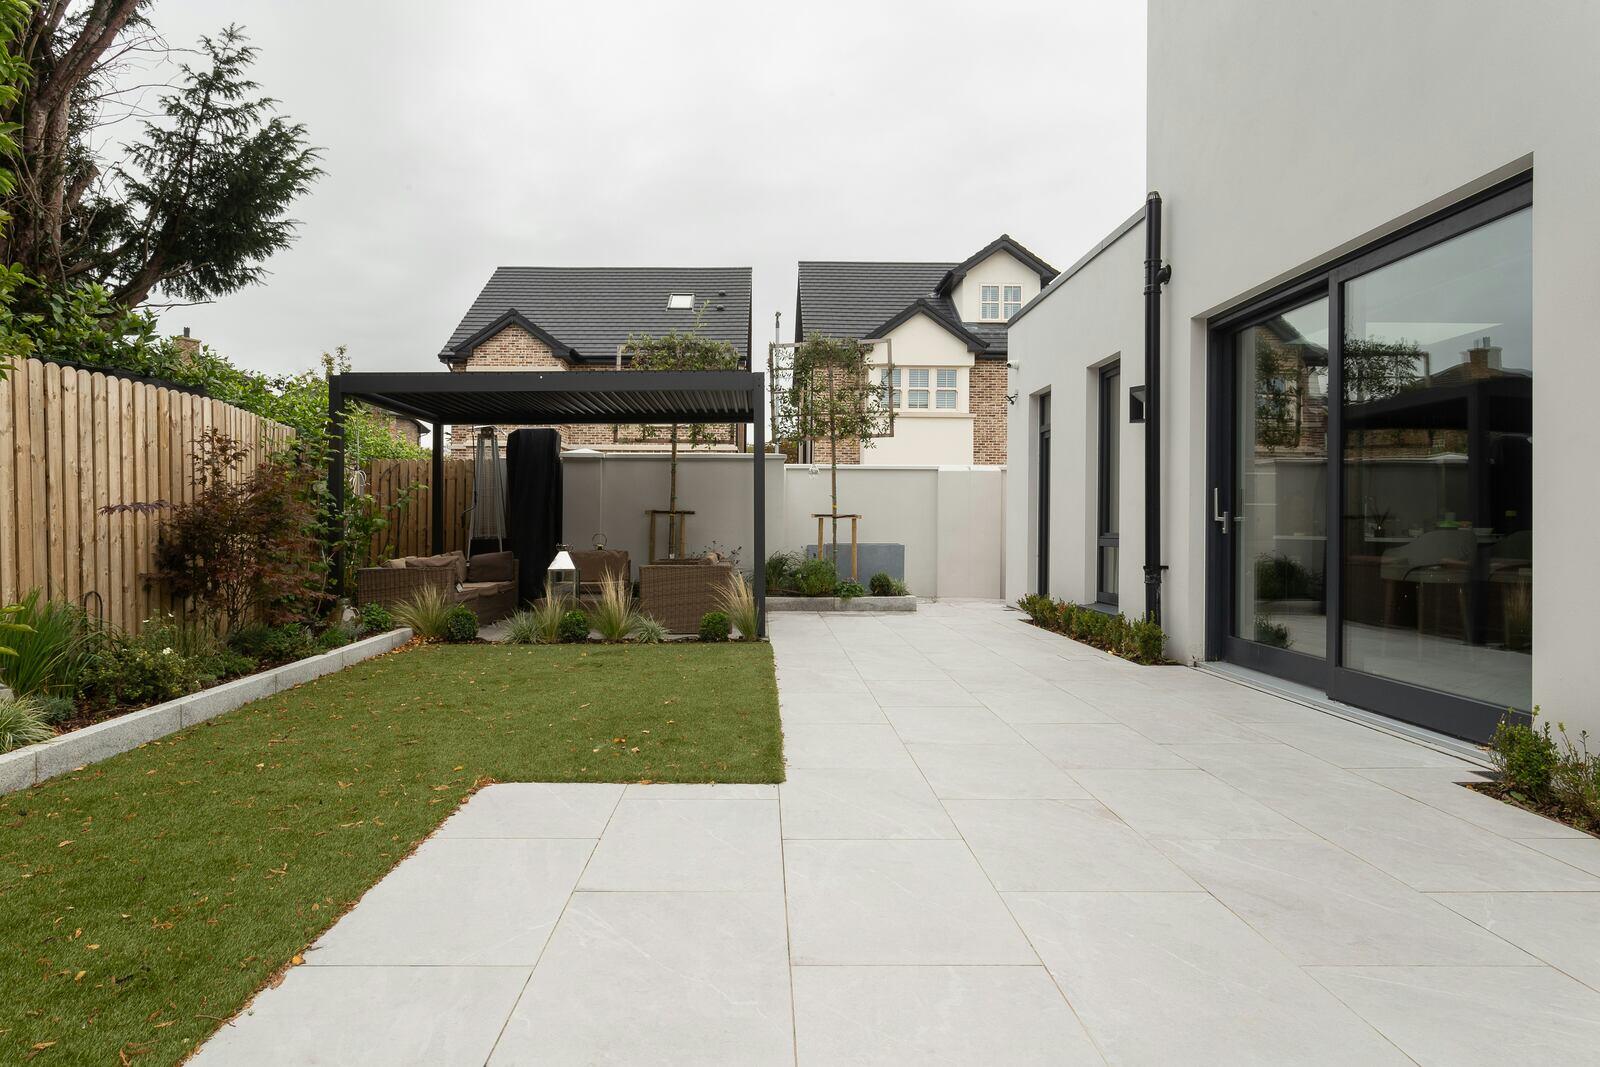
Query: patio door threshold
x=1316, y=700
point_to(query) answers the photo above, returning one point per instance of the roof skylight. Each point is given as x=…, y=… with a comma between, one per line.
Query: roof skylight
x=680, y=302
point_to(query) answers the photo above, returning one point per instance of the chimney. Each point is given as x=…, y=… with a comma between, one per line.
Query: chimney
x=186, y=345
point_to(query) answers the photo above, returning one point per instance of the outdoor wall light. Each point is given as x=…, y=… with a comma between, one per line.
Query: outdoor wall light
x=563, y=573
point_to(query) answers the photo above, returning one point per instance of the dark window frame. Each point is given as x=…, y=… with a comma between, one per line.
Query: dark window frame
x=1446, y=713
x=1108, y=383
x=1042, y=406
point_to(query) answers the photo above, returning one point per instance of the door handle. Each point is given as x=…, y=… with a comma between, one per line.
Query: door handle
x=1218, y=516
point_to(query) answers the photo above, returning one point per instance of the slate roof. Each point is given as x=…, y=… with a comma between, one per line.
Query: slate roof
x=592, y=310
x=850, y=299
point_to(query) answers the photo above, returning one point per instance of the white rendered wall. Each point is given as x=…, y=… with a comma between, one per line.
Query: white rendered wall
x=1281, y=135
x=949, y=518
x=1000, y=269
x=1093, y=318
x=931, y=437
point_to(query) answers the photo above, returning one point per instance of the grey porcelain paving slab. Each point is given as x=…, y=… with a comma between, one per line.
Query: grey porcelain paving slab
x=892, y=1016
x=1184, y=804
x=842, y=745
x=1434, y=852
x=895, y=902
x=1474, y=1016
x=700, y=791
x=1176, y=978
x=1108, y=746
x=1582, y=853
x=535, y=809
x=827, y=707
x=1060, y=706
x=833, y=681
x=460, y=902
x=1173, y=723
x=1062, y=845
x=660, y=978
x=1440, y=787
x=1562, y=929
x=705, y=845
x=382, y=1016
x=831, y=804
x=1351, y=745
x=1320, y=905
x=996, y=772
x=918, y=694
x=951, y=725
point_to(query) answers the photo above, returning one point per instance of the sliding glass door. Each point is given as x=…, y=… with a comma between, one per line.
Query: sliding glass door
x=1395, y=392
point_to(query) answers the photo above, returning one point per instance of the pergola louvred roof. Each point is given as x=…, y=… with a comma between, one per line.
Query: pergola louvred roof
x=534, y=398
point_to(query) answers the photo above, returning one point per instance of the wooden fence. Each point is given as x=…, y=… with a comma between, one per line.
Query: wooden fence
x=410, y=532
x=73, y=442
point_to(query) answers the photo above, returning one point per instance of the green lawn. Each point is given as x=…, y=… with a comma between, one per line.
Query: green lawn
x=144, y=899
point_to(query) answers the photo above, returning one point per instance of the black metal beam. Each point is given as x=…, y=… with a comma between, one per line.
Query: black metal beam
x=759, y=489
x=335, y=531
x=436, y=488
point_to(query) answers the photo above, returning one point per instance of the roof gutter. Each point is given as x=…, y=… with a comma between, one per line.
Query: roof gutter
x=1156, y=274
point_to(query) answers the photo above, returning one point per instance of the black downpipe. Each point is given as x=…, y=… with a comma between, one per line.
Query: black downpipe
x=1156, y=274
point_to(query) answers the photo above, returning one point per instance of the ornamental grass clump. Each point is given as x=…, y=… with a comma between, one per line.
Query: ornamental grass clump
x=613, y=616
x=780, y=571
x=737, y=601
x=426, y=613
x=22, y=723
x=648, y=631
x=48, y=646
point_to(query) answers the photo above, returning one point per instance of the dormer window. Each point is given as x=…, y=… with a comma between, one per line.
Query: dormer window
x=1013, y=300
x=995, y=309
x=680, y=302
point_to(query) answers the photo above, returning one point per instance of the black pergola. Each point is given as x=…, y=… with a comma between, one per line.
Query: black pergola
x=532, y=398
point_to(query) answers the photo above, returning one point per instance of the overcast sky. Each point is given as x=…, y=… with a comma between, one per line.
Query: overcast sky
x=463, y=136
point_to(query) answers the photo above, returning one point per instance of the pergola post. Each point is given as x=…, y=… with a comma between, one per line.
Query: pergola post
x=759, y=481
x=436, y=488
x=336, y=481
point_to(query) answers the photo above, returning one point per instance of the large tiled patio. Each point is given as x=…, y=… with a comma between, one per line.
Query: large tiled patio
x=994, y=846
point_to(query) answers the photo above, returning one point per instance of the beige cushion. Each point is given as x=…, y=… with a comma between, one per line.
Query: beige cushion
x=453, y=560
x=396, y=564
x=490, y=567
x=469, y=590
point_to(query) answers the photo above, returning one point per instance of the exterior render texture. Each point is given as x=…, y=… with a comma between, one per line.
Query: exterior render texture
x=1349, y=345
x=578, y=318
x=944, y=328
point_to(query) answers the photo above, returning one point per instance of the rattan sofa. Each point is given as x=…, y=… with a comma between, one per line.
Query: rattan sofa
x=479, y=583
x=678, y=593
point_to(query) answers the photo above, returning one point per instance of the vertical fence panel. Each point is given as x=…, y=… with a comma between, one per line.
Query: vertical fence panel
x=8, y=515
x=74, y=442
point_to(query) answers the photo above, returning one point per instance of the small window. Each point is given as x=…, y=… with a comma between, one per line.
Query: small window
x=991, y=303
x=917, y=395
x=680, y=302
x=890, y=380
x=1013, y=300
x=945, y=395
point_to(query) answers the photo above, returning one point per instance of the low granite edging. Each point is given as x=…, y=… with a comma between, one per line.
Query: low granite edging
x=865, y=604
x=26, y=767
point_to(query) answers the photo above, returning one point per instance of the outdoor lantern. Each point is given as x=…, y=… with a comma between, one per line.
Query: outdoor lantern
x=563, y=573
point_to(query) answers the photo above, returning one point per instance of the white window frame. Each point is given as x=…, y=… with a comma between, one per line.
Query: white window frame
x=1009, y=307
x=989, y=310
x=943, y=392
x=916, y=391
x=889, y=381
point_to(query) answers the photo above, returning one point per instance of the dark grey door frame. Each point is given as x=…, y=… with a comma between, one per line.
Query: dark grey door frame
x=1042, y=497
x=1444, y=712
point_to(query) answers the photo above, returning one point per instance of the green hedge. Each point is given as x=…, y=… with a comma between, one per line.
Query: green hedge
x=1141, y=641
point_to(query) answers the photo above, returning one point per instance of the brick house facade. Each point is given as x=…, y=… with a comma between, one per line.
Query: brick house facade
x=943, y=328
x=554, y=319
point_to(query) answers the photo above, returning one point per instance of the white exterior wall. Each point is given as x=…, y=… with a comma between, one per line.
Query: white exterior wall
x=1093, y=319
x=947, y=517
x=931, y=437
x=1000, y=269
x=1281, y=135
